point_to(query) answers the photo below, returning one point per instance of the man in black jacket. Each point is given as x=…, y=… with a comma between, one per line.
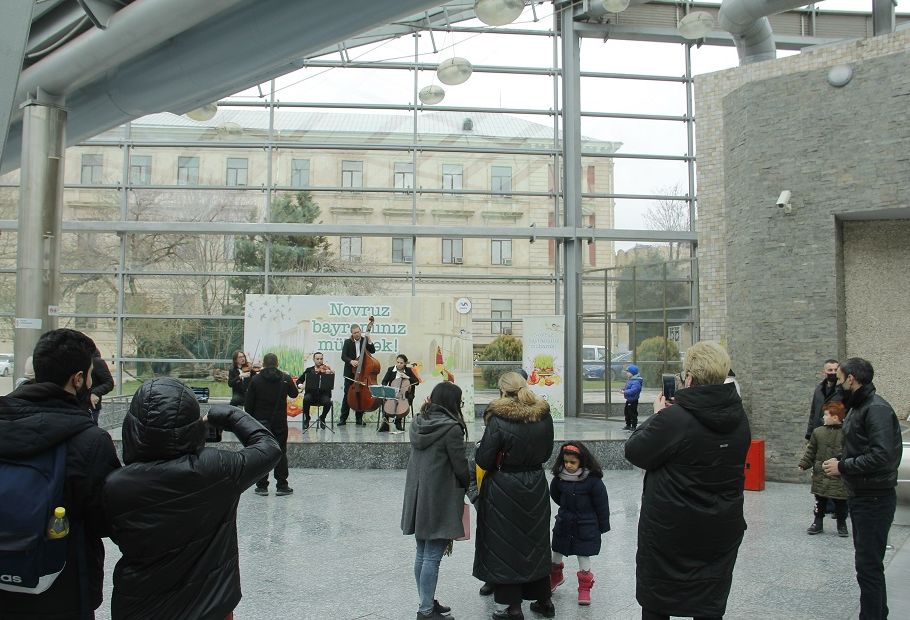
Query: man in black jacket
x=824, y=391
x=102, y=383
x=37, y=417
x=350, y=355
x=319, y=397
x=868, y=464
x=266, y=400
x=173, y=507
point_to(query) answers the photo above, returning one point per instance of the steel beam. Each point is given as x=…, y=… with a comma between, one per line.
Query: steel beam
x=15, y=19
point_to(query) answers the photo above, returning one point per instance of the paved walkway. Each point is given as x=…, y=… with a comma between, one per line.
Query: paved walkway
x=334, y=550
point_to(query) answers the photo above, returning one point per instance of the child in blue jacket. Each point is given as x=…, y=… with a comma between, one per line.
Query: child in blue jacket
x=631, y=391
x=584, y=514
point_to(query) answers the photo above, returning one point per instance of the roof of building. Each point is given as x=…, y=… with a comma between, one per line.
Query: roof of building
x=473, y=124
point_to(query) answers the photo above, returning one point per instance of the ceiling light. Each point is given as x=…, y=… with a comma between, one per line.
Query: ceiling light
x=203, y=113
x=454, y=71
x=431, y=95
x=616, y=6
x=498, y=12
x=696, y=25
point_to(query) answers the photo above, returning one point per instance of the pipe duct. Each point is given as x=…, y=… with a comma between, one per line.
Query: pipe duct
x=747, y=21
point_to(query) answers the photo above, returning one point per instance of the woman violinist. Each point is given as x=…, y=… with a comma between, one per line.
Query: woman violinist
x=239, y=378
x=395, y=376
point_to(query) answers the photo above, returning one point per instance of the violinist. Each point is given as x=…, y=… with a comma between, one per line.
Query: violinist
x=239, y=378
x=319, y=398
x=350, y=354
x=401, y=370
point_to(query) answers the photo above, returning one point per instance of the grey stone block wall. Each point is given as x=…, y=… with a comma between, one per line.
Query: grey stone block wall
x=841, y=152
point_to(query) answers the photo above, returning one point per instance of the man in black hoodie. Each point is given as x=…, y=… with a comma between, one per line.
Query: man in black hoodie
x=266, y=400
x=34, y=419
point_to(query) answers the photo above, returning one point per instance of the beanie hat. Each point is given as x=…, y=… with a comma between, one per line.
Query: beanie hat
x=633, y=369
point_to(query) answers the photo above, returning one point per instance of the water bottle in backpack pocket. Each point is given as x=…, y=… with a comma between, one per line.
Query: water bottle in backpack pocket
x=33, y=538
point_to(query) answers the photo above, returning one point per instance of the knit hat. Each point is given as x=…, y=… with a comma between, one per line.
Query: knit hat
x=633, y=369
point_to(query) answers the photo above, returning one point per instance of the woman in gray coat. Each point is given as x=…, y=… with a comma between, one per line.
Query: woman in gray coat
x=435, y=488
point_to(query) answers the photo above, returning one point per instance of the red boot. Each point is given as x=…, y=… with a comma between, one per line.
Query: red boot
x=556, y=577
x=585, y=582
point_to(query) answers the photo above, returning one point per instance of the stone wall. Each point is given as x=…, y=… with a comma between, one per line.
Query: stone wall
x=771, y=284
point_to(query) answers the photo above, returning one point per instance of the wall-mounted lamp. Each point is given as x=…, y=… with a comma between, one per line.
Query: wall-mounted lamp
x=783, y=202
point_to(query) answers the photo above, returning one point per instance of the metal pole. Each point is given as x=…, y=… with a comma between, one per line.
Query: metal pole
x=571, y=145
x=40, y=223
x=882, y=17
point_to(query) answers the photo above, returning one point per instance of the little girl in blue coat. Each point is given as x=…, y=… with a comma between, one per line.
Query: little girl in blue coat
x=584, y=514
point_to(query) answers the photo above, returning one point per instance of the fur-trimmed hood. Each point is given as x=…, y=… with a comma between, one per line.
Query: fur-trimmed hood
x=510, y=409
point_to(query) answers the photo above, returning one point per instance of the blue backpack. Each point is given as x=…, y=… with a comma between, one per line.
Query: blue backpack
x=30, y=489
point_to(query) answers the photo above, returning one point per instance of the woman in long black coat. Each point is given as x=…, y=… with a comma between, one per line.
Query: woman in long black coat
x=512, y=549
x=691, y=522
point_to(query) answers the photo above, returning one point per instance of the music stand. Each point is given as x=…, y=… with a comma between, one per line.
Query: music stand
x=320, y=382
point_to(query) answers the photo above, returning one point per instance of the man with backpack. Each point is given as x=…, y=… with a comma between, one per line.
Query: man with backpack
x=53, y=457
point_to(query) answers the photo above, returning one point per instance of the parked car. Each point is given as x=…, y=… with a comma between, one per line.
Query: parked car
x=592, y=361
x=6, y=364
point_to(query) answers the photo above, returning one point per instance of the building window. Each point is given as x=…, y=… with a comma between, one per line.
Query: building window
x=502, y=252
x=300, y=173
x=501, y=179
x=452, y=176
x=86, y=303
x=351, y=173
x=140, y=169
x=350, y=249
x=404, y=175
x=91, y=169
x=237, y=171
x=452, y=252
x=501, y=309
x=187, y=171
x=402, y=250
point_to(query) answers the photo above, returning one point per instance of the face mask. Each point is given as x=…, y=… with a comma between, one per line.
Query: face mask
x=831, y=377
x=846, y=391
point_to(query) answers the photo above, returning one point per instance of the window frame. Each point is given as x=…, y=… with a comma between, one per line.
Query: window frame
x=351, y=173
x=497, y=326
x=454, y=253
x=404, y=251
x=245, y=170
x=192, y=179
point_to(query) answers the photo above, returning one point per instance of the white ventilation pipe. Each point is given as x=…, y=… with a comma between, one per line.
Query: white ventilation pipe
x=747, y=21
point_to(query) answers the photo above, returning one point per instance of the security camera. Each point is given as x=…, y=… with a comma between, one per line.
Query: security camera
x=784, y=199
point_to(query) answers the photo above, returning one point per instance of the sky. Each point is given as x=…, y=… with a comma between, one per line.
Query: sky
x=632, y=176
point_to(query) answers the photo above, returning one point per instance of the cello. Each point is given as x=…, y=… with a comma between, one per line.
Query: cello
x=366, y=374
x=400, y=405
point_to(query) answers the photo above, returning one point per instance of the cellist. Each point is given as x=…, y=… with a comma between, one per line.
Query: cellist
x=350, y=355
x=398, y=371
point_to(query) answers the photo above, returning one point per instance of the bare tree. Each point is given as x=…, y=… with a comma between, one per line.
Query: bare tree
x=669, y=214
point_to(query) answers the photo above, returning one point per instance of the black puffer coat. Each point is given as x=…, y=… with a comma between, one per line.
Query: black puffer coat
x=173, y=507
x=584, y=514
x=513, y=511
x=267, y=397
x=691, y=522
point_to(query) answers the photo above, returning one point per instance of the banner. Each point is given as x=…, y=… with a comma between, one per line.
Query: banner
x=544, y=347
x=428, y=330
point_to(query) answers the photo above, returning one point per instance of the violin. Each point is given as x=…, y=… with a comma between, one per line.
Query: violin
x=366, y=374
x=399, y=406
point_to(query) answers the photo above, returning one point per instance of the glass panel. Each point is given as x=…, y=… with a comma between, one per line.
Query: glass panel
x=172, y=205
x=637, y=57
x=635, y=136
x=192, y=253
x=231, y=124
x=652, y=176
x=484, y=129
x=7, y=292
x=9, y=203
x=89, y=250
x=140, y=169
x=632, y=96
x=91, y=204
x=8, y=249
x=183, y=295
x=93, y=165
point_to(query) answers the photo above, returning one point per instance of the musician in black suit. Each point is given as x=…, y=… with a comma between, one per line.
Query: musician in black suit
x=318, y=397
x=350, y=354
x=400, y=368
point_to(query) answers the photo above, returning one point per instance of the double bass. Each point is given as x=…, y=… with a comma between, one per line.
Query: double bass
x=366, y=374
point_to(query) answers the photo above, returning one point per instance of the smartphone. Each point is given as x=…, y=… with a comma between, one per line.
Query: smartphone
x=213, y=433
x=669, y=382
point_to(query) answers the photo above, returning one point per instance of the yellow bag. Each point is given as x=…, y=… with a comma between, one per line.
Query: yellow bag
x=479, y=472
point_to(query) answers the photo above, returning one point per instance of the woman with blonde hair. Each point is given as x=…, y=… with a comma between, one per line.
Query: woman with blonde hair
x=513, y=511
x=691, y=522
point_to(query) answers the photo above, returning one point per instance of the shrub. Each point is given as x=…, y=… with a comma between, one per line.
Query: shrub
x=653, y=350
x=504, y=349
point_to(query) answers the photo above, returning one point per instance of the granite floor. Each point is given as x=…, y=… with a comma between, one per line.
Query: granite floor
x=334, y=550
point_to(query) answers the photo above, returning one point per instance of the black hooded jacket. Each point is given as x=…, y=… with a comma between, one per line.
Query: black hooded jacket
x=173, y=507
x=33, y=419
x=691, y=522
x=872, y=444
x=267, y=394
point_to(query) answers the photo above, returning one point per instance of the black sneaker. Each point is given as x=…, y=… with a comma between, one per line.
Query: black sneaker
x=283, y=490
x=384, y=427
x=262, y=491
x=440, y=608
x=544, y=608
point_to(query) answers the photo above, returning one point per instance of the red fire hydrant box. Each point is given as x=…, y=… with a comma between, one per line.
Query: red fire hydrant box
x=755, y=466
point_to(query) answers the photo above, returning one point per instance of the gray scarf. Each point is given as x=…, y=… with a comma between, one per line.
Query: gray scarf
x=578, y=476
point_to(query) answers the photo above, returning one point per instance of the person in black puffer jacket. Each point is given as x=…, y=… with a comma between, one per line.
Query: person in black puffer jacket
x=691, y=522
x=267, y=401
x=173, y=507
x=512, y=550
